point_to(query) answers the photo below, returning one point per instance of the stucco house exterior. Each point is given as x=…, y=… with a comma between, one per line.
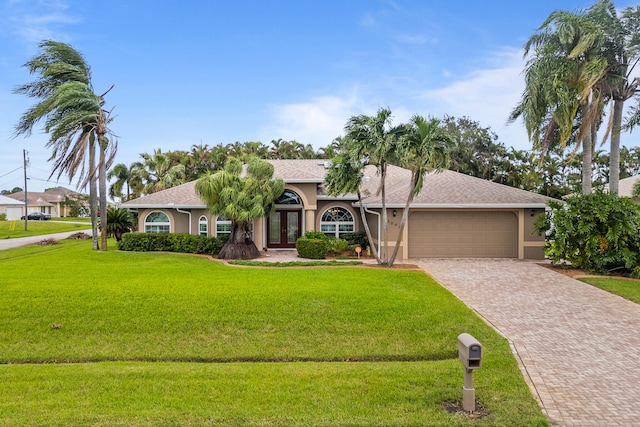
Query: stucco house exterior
x=454, y=216
x=51, y=201
x=11, y=208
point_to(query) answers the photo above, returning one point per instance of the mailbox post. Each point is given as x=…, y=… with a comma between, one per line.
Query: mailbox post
x=470, y=354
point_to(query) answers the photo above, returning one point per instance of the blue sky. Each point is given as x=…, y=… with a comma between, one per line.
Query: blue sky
x=209, y=72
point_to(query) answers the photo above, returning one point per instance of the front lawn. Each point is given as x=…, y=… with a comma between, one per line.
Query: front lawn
x=626, y=288
x=183, y=340
x=13, y=229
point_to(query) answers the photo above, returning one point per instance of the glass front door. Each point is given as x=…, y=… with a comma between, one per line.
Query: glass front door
x=283, y=229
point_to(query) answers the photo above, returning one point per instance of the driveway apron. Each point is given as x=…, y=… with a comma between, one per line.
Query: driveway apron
x=578, y=346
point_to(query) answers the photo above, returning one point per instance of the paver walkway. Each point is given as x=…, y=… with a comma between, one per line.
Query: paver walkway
x=579, y=346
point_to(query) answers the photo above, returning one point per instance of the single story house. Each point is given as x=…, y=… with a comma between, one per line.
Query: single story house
x=625, y=186
x=12, y=208
x=51, y=201
x=455, y=215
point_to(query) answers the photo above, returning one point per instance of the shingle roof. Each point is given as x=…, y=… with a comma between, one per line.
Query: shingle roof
x=625, y=186
x=445, y=189
x=453, y=189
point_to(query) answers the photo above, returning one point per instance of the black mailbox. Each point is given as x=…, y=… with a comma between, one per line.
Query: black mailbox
x=469, y=351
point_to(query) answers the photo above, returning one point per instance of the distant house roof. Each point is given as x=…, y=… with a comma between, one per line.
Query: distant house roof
x=446, y=189
x=8, y=201
x=44, y=198
x=625, y=186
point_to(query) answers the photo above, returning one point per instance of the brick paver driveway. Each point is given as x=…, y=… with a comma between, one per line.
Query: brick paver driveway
x=579, y=346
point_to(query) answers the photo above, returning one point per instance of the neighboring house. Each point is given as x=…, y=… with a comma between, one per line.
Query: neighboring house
x=625, y=186
x=455, y=215
x=12, y=208
x=51, y=201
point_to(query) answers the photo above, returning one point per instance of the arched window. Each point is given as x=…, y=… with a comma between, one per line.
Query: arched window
x=336, y=221
x=157, y=222
x=203, y=226
x=289, y=197
x=223, y=226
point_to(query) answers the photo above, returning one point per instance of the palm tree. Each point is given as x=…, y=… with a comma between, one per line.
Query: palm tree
x=157, y=172
x=561, y=98
x=74, y=118
x=426, y=147
x=621, y=50
x=125, y=178
x=370, y=140
x=240, y=199
x=120, y=221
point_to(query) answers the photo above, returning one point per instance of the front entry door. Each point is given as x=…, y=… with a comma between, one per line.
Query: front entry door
x=283, y=229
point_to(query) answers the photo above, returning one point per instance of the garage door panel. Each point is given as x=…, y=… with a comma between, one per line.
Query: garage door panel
x=463, y=234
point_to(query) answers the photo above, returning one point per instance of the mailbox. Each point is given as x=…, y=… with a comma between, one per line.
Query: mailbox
x=469, y=351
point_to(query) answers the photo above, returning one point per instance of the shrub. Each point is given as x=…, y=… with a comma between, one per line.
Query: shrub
x=312, y=248
x=336, y=246
x=357, y=238
x=3, y=217
x=315, y=235
x=183, y=243
x=597, y=232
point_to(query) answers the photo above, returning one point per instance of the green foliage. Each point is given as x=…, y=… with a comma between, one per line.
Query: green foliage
x=336, y=246
x=312, y=248
x=3, y=217
x=358, y=238
x=119, y=221
x=181, y=243
x=596, y=232
x=331, y=263
x=315, y=235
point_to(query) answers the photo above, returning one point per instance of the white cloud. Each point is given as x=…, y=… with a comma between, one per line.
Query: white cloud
x=39, y=20
x=487, y=96
x=316, y=122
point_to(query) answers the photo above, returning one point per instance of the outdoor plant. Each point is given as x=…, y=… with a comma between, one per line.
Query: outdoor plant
x=182, y=243
x=312, y=248
x=119, y=221
x=596, y=232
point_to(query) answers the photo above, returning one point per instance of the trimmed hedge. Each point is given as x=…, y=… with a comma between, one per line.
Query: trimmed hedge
x=311, y=248
x=182, y=243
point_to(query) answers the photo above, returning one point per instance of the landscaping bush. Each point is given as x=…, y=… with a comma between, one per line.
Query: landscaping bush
x=598, y=232
x=183, y=243
x=336, y=246
x=315, y=235
x=357, y=238
x=3, y=217
x=312, y=248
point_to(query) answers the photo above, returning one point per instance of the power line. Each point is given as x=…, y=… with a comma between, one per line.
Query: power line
x=8, y=173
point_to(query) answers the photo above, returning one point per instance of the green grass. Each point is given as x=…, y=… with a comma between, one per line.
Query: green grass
x=73, y=219
x=36, y=228
x=182, y=340
x=626, y=288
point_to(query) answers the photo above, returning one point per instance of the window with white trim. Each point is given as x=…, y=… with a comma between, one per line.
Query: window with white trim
x=157, y=222
x=203, y=226
x=337, y=221
x=223, y=226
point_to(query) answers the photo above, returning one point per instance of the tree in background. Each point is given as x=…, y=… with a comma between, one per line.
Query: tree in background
x=562, y=99
x=240, y=199
x=157, y=172
x=125, y=178
x=74, y=119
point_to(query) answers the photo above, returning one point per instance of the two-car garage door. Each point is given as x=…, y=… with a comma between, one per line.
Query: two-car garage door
x=471, y=234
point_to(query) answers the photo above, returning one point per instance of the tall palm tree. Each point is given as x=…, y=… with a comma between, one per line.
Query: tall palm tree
x=426, y=147
x=73, y=117
x=125, y=178
x=622, y=51
x=561, y=99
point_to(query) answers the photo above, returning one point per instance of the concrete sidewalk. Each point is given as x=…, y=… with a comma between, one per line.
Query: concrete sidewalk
x=22, y=241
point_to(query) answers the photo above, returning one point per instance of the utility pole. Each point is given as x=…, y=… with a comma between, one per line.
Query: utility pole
x=26, y=195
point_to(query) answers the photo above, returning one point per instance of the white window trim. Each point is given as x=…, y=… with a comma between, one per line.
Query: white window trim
x=336, y=224
x=206, y=226
x=156, y=223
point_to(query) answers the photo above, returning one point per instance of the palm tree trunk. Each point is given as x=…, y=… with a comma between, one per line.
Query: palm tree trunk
x=102, y=178
x=384, y=237
x=93, y=202
x=403, y=221
x=614, y=154
x=367, y=230
x=587, y=158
